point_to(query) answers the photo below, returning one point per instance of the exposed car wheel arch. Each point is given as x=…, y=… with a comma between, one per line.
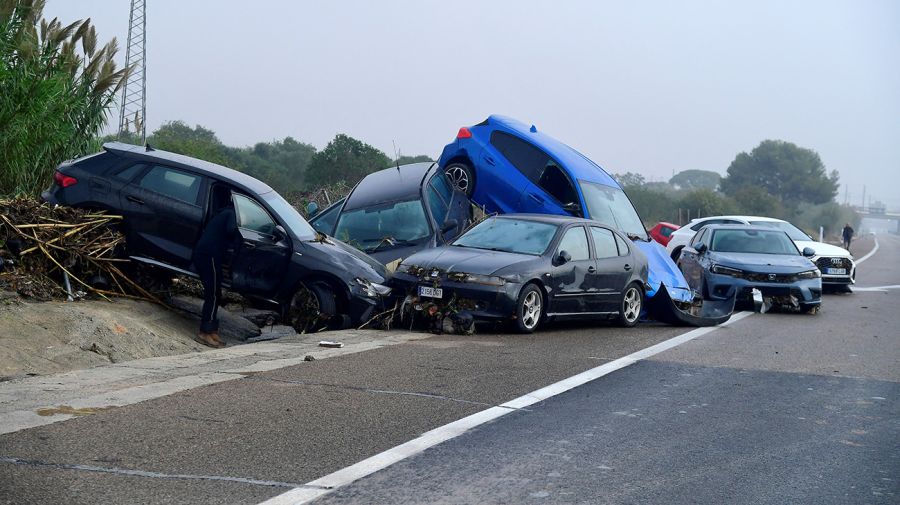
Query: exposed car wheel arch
x=676, y=253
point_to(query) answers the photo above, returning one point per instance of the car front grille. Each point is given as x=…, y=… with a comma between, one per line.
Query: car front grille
x=755, y=277
x=832, y=262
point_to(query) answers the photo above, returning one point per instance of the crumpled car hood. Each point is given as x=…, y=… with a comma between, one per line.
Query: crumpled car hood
x=470, y=261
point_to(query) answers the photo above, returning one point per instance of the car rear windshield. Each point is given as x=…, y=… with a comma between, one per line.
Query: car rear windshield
x=611, y=207
x=753, y=241
x=510, y=235
x=383, y=225
x=792, y=231
x=292, y=219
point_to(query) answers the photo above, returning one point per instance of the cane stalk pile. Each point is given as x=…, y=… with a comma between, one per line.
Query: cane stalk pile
x=40, y=243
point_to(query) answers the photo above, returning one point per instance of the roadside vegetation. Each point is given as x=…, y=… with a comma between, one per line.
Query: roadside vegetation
x=776, y=179
x=56, y=85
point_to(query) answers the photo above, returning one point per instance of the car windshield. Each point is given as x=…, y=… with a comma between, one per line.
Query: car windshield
x=792, y=231
x=611, y=207
x=510, y=235
x=289, y=215
x=383, y=226
x=753, y=241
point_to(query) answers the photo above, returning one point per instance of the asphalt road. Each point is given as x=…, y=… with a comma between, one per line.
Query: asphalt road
x=776, y=408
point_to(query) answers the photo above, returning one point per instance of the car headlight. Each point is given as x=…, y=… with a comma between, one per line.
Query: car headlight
x=372, y=289
x=489, y=280
x=809, y=274
x=723, y=270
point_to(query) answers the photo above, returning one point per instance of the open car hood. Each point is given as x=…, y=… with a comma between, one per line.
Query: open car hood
x=662, y=270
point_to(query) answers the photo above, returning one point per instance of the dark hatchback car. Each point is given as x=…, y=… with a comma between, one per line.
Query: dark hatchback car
x=166, y=199
x=397, y=211
x=732, y=260
x=529, y=267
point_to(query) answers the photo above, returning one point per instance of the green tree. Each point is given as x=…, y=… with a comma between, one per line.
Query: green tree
x=344, y=159
x=756, y=201
x=197, y=142
x=706, y=202
x=790, y=173
x=696, y=179
x=653, y=206
x=56, y=85
x=629, y=179
x=406, y=160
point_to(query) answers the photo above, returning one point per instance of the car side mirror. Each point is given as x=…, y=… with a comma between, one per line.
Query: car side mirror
x=700, y=248
x=809, y=252
x=563, y=257
x=312, y=208
x=450, y=224
x=572, y=207
x=279, y=233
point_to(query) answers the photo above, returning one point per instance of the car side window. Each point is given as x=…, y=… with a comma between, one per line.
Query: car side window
x=708, y=222
x=527, y=158
x=437, y=205
x=623, y=247
x=128, y=173
x=251, y=215
x=554, y=181
x=665, y=231
x=700, y=237
x=575, y=243
x=604, y=243
x=173, y=183
x=442, y=186
x=325, y=221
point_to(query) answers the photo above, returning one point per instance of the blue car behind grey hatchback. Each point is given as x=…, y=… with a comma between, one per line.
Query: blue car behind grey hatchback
x=723, y=259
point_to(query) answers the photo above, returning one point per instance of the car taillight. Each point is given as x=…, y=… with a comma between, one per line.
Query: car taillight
x=64, y=181
x=464, y=133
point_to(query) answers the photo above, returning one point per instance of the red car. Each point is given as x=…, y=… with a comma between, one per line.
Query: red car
x=662, y=231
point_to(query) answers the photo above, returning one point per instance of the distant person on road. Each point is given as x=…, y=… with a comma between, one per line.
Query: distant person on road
x=218, y=234
x=847, y=236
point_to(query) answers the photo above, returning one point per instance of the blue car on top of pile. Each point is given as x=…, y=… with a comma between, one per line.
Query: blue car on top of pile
x=508, y=167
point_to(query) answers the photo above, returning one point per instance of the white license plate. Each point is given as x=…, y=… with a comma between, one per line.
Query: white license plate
x=431, y=292
x=836, y=271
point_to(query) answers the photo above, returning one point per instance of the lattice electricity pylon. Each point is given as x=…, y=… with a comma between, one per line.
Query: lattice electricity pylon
x=133, y=109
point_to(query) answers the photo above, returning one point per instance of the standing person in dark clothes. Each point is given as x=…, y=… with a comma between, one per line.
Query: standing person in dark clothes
x=220, y=232
x=847, y=235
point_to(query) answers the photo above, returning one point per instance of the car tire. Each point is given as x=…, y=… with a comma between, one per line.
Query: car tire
x=529, y=309
x=630, y=306
x=313, y=308
x=462, y=176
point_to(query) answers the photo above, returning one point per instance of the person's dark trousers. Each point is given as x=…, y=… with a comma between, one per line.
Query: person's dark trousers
x=209, y=268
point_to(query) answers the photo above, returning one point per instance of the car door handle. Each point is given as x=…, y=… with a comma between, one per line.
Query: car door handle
x=591, y=269
x=134, y=199
x=627, y=267
x=489, y=160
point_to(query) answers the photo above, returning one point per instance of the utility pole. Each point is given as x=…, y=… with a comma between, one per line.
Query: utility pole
x=133, y=109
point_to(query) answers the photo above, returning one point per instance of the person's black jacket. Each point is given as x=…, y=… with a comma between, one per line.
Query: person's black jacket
x=219, y=234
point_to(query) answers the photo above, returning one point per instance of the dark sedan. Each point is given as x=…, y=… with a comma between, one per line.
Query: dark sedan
x=726, y=260
x=397, y=211
x=528, y=267
x=167, y=198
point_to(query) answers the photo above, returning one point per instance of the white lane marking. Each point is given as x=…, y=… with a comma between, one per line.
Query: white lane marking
x=328, y=483
x=867, y=256
x=882, y=289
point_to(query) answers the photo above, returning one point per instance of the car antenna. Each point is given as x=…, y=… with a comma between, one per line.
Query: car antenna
x=396, y=155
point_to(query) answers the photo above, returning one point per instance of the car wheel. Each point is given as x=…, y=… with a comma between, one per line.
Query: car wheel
x=630, y=306
x=313, y=308
x=462, y=177
x=529, y=309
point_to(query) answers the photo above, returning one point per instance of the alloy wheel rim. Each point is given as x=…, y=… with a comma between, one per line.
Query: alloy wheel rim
x=632, y=305
x=458, y=177
x=531, y=312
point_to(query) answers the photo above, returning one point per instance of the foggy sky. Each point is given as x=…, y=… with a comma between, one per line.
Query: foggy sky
x=646, y=87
